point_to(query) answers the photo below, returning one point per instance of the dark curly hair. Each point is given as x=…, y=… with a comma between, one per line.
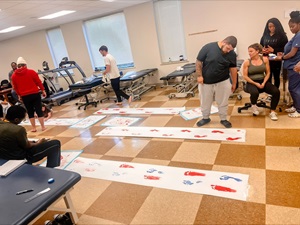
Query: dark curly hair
x=295, y=17
x=15, y=112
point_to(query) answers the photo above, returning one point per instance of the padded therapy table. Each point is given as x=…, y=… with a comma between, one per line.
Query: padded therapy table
x=188, y=81
x=138, y=86
x=13, y=209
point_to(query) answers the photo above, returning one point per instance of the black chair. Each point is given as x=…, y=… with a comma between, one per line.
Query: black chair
x=261, y=103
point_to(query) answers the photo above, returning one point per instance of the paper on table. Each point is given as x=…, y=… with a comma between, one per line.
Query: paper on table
x=10, y=166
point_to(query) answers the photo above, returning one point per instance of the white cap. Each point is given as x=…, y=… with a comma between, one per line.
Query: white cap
x=20, y=60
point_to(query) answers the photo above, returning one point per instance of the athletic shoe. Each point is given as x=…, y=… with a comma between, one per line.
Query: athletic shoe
x=255, y=110
x=202, y=122
x=290, y=110
x=226, y=123
x=273, y=116
x=294, y=114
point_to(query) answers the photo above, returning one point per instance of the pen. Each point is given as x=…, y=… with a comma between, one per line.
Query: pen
x=24, y=191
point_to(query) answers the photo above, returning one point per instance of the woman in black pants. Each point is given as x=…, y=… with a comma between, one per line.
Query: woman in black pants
x=256, y=71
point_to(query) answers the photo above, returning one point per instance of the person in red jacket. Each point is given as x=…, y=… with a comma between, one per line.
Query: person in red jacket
x=28, y=85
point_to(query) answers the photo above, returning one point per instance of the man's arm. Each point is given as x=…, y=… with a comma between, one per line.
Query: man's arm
x=233, y=74
x=199, y=67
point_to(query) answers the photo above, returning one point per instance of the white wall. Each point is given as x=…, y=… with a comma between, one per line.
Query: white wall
x=244, y=19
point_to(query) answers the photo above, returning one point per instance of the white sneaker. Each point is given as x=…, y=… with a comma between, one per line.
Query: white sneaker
x=294, y=114
x=255, y=110
x=290, y=110
x=273, y=116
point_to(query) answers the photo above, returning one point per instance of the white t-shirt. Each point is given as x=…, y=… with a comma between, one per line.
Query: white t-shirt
x=114, y=71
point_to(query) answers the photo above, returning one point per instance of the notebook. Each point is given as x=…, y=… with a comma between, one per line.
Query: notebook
x=10, y=166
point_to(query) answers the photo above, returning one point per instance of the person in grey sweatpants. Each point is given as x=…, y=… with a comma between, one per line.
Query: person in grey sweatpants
x=216, y=62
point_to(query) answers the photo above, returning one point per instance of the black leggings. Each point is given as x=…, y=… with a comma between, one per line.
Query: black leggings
x=49, y=149
x=115, y=83
x=268, y=88
x=275, y=69
x=33, y=103
x=1, y=111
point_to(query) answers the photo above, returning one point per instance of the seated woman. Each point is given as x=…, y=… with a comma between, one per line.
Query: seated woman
x=256, y=71
x=14, y=143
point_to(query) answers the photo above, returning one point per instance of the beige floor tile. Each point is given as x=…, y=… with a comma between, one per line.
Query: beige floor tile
x=156, y=121
x=214, y=210
x=151, y=161
x=254, y=136
x=282, y=215
x=162, y=98
x=251, y=121
x=178, y=121
x=153, y=104
x=93, y=189
x=71, y=133
x=283, y=137
x=283, y=188
x=283, y=158
x=77, y=143
x=92, y=220
x=252, y=156
x=174, y=103
x=127, y=148
x=119, y=202
x=101, y=145
x=197, y=153
x=159, y=150
x=168, y=207
x=257, y=181
x=283, y=122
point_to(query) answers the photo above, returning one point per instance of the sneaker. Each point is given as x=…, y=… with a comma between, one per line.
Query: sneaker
x=226, y=123
x=290, y=110
x=203, y=122
x=294, y=114
x=273, y=116
x=255, y=110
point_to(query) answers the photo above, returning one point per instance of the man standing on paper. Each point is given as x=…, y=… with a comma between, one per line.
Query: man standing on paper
x=216, y=62
x=114, y=74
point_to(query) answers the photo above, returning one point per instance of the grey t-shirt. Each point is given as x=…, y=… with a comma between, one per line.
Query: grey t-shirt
x=216, y=64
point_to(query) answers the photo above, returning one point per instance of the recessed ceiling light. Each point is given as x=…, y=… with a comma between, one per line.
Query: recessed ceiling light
x=9, y=29
x=58, y=14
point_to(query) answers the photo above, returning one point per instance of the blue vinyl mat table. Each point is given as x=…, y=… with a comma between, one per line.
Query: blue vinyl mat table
x=14, y=209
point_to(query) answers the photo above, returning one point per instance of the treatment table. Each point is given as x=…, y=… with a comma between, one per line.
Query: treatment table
x=13, y=209
x=137, y=82
x=187, y=83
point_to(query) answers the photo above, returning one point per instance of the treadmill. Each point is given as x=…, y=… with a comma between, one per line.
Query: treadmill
x=56, y=95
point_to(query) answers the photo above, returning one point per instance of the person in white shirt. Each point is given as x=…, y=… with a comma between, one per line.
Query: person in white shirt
x=112, y=71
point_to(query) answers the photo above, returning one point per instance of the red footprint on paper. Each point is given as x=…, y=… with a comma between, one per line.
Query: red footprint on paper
x=122, y=112
x=99, y=112
x=89, y=169
x=116, y=109
x=200, y=136
x=125, y=130
x=185, y=131
x=221, y=188
x=168, y=135
x=77, y=161
x=232, y=139
x=61, y=157
x=154, y=130
x=218, y=131
x=191, y=173
x=125, y=166
x=147, y=177
x=148, y=112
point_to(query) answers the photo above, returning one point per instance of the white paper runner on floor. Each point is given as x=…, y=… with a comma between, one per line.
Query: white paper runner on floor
x=56, y=122
x=236, y=135
x=196, y=113
x=222, y=184
x=120, y=121
x=87, y=122
x=141, y=111
x=66, y=157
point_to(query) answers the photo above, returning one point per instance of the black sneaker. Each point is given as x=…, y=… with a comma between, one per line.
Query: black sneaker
x=226, y=123
x=202, y=122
